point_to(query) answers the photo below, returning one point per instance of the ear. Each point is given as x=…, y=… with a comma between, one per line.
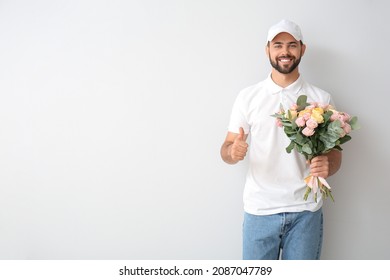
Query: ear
x=303, y=49
x=267, y=49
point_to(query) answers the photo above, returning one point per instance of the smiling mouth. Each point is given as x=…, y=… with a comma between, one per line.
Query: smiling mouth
x=285, y=60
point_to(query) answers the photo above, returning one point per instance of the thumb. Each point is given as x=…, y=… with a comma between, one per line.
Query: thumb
x=241, y=136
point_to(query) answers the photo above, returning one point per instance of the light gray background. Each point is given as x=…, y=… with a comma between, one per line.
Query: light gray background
x=112, y=114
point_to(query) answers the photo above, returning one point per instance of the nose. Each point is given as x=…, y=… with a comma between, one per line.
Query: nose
x=285, y=50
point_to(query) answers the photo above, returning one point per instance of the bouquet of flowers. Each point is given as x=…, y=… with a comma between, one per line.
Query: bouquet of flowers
x=315, y=129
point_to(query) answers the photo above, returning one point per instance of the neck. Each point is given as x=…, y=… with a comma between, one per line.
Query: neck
x=284, y=80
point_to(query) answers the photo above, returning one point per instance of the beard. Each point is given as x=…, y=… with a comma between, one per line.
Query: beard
x=285, y=70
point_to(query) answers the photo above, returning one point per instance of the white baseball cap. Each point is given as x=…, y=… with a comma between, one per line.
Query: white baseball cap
x=285, y=26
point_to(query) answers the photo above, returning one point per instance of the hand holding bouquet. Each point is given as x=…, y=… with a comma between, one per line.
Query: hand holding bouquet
x=315, y=129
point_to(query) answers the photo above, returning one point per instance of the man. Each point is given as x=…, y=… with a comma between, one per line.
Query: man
x=278, y=222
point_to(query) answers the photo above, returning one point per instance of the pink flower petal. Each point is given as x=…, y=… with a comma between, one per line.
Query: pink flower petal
x=315, y=184
x=324, y=182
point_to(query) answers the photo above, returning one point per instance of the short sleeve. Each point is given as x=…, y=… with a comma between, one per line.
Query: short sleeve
x=238, y=117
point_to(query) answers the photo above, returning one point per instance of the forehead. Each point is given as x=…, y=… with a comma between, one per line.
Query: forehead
x=283, y=38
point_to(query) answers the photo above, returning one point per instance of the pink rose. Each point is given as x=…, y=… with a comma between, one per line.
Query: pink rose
x=310, y=107
x=306, y=116
x=334, y=116
x=323, y=106
x=346, y=117
x=279, y=122
x=310, y=123
x=308, y=131
x=341, y=120
x=347, y=128
x=300, y=122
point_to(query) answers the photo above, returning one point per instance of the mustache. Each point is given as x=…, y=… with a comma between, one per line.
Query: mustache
x=286, y=56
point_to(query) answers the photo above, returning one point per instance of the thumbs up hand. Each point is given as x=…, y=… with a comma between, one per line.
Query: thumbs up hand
x=239, y=147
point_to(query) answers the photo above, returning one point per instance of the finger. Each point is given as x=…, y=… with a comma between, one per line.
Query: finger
x=319, y=159
x=320, y=170
x=319, y=162
x=238, y=152
x=240, y=149
x=242, y=145
x=238, y=156
x=241, y=136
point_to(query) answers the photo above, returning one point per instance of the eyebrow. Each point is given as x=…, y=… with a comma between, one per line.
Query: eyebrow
x=281, y=43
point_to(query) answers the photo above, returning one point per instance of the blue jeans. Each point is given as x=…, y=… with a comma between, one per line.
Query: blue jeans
x=287, y=236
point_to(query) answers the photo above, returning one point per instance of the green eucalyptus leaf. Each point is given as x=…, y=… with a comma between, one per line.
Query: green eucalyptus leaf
x=302, y=101
x=354, y=123
x=327, y=116
x=306, y=149
x=290, y=147
x=346, y=138
x=337, y=147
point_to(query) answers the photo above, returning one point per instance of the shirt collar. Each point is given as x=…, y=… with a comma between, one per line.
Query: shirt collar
x=294, y=88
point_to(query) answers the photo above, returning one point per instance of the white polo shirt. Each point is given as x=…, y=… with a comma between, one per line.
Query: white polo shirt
x=274, y=182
